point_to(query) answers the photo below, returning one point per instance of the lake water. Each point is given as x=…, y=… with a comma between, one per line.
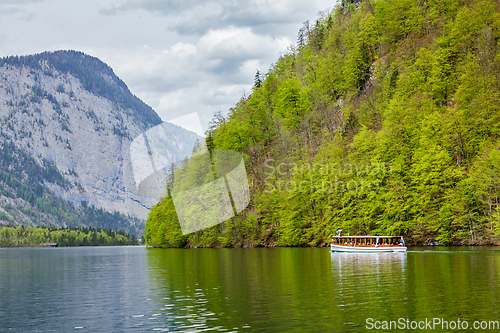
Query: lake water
x=116, y=289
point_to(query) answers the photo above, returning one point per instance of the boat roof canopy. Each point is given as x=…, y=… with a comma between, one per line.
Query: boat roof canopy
x=367, y=236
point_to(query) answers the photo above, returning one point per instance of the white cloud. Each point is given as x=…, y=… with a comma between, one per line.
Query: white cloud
x=240, y=43
x=177, y=56
x=184, y=49
x=190, y=122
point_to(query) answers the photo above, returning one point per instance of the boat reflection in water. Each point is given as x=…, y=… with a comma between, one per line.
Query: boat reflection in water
x=366, y=281
x=369, y=263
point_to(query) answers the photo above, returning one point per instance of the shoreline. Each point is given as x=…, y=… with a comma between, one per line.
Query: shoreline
x=326, y=246
x=58, y=247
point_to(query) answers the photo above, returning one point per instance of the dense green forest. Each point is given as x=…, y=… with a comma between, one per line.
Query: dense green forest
x=384, y=119
x=27, y=199
x=21, y=236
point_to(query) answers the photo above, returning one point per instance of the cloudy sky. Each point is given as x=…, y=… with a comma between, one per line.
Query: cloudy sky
x=178, y=56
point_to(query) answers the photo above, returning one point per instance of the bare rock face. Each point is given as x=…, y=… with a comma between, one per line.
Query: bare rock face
x=70, y=108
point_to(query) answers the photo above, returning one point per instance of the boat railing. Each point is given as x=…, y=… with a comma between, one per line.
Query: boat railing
x=368, y=241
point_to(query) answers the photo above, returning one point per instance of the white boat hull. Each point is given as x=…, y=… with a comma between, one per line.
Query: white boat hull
x=359, y=249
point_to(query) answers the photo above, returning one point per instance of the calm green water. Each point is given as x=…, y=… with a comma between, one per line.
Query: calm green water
x=115, y=289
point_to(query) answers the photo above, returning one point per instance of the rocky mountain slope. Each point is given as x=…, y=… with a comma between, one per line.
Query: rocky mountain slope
x=68, y=112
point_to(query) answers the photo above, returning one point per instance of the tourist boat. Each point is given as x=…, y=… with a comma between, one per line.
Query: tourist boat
x=367, y=243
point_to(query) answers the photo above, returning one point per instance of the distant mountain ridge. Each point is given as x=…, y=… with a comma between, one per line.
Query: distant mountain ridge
x=68, y=112
x=95, y=76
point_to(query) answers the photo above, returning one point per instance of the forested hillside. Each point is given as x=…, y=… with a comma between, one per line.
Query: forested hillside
x=21, y=236
x=384, y=119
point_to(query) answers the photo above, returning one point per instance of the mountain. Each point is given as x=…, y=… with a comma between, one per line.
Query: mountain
x=383, y=120
x=67, y=124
